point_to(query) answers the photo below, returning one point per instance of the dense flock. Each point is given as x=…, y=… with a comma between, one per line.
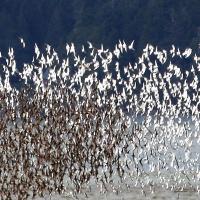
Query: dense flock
x=92, y=118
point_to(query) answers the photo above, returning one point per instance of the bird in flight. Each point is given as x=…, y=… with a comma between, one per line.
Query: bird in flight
x=22, y=42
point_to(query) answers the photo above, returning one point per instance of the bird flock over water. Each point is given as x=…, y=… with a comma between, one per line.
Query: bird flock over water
x=88, y=116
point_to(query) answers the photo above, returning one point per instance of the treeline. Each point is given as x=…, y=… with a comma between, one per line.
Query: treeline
x=160, y=22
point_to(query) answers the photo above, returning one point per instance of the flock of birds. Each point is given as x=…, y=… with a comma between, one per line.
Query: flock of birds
x=88, y=117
